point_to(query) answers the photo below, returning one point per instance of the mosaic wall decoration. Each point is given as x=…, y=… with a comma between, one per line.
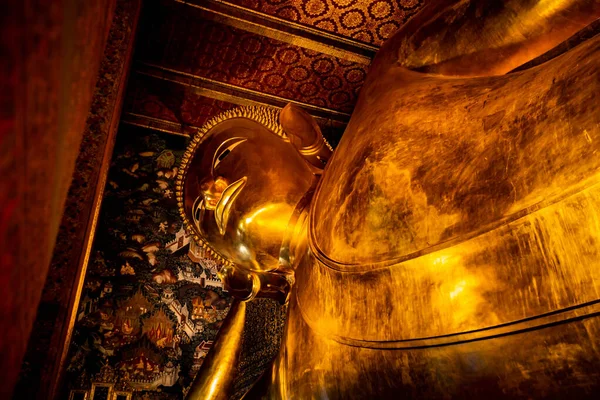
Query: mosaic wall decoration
x=229, y=55
x=151, y=304
x=368, y=21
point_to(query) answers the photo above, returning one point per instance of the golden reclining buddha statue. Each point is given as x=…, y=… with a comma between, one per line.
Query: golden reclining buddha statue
x=451, y=246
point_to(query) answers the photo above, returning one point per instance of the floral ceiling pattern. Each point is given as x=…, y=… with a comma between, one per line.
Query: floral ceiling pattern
x=366, y=21
x=232, y=56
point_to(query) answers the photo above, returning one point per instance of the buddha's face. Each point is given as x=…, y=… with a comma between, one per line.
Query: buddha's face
x=242, y=185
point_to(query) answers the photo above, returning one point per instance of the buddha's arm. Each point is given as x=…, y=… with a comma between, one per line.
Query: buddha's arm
x=215, y=379
x=484, y=37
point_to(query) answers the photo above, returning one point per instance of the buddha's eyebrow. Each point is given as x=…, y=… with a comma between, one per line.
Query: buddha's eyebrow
x=224, y=149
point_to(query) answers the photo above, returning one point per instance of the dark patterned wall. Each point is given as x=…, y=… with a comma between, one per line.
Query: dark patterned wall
x=151, y=304
x=369, y=21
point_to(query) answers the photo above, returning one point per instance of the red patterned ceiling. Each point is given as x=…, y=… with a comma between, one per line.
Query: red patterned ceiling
x=369, y=21
x=197, y=52
x=232, y=56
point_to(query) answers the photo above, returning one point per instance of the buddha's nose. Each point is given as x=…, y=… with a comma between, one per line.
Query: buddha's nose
x=212, y=190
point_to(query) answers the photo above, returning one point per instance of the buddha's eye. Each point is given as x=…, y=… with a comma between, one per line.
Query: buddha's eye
x=198, y=211
x=223, y=155
x=225, y=148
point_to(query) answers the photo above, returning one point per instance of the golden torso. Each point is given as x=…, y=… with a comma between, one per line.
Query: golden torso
x=430, y=272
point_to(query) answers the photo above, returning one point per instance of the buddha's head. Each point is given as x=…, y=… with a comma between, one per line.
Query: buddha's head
x=239, y=184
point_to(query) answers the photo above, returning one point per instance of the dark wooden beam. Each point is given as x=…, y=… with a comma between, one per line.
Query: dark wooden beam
x=231, y=93
x=282, y=30
x=157, y=124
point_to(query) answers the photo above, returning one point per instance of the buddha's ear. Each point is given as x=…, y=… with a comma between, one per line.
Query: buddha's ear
x=304, y=133
x=300, y=126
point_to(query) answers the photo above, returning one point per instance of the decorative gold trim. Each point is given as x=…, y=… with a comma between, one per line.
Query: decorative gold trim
x=231, y=93
x=286, y=31
x=74, y=392
x=97, y=385
x=267, y=117
x=117, y=393
x=172, y=128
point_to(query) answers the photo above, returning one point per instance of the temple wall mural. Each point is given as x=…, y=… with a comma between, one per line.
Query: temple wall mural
x=151, y=303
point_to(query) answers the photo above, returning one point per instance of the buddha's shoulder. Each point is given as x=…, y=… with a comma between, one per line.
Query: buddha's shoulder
x=369, y=208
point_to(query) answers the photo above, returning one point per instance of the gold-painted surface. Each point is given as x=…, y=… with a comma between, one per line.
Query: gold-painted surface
x=270, y=176
x=305, y=135
x=482, y=38
x=558, y=362
x=240, y=183
x=451, y=249
x=491, y=149
x=543, y=262
x=215, y=378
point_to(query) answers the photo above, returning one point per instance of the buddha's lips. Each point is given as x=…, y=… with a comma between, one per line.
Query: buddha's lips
x=223, y=207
